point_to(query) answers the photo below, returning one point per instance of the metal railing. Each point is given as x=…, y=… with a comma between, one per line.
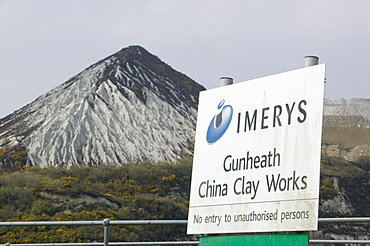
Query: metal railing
x=107, y=222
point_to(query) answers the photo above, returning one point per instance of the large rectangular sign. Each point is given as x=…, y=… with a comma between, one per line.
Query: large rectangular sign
x=257, y=155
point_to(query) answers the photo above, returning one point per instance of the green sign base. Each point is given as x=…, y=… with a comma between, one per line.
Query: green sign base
x=256, y=240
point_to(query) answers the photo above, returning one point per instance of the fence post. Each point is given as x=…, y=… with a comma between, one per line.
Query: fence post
x=106, y=231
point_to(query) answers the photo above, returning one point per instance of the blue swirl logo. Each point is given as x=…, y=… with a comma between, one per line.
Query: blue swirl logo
x=220, y=122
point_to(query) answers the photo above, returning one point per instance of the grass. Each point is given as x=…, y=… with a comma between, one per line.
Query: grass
x=345, y=136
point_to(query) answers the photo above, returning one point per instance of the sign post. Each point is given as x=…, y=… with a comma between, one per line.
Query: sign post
x=257, y=155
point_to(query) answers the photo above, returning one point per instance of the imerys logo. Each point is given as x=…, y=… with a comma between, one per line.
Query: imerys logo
x=220, y=122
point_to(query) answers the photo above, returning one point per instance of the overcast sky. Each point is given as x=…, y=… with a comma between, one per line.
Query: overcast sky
x=43, y=43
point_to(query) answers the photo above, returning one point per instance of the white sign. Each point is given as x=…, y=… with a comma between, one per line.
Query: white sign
x=257, y=155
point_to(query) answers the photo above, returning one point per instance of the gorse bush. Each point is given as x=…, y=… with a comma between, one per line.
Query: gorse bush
x=327, y=189
x=15, y=154
x=145, y=191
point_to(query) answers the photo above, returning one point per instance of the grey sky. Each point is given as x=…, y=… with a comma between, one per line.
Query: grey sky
x=43, y=43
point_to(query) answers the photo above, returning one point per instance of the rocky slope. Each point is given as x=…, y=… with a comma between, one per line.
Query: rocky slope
x=354, y=107
x=346, y=128
x=345, y=181
x=128, y=107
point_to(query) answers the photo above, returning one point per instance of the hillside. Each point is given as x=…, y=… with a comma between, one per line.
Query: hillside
x=346, y=128
x=128, y=107
x=161, y=191
x=150, y=191
x=345, y=167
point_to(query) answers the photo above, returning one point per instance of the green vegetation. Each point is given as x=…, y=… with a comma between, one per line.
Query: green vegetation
x=145, y=191
x=353, y=181
x=338, y=167
x=16, y=154
x=327, y=189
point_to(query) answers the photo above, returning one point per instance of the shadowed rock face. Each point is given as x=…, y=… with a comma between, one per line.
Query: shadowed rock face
x=127, y=107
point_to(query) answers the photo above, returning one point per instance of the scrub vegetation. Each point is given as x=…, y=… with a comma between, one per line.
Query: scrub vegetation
x=145, y=191
x=150, y=191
